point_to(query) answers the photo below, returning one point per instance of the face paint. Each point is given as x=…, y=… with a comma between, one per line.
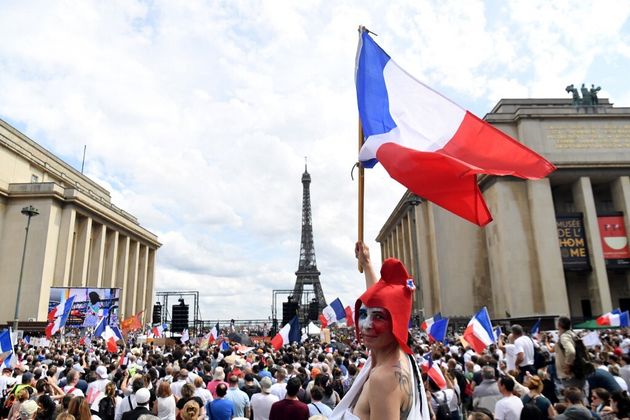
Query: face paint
x=374, y=322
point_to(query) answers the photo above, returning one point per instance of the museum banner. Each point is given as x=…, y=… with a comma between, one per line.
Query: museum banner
x=614, y=241
x=572, y=242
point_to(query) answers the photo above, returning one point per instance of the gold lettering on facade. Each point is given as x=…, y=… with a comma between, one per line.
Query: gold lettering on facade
x=600, y=137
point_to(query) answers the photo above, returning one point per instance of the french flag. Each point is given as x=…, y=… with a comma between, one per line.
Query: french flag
x=437, y=330
x=288, y=334
x=108, y=334
x=158, y=330
x=332, y=313
x=616, y=318
x=497, y=334
x=536, y=329
x=479, y=333
x=214, y=333
x=428, y=143
x=349, y=316
x=426, y=324
x=6, y=348
x=433, y=371
x=58, y=316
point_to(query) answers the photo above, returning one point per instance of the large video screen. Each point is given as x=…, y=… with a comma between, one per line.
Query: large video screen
x=90, y=304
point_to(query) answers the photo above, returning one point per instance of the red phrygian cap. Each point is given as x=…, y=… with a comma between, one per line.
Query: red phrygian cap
x=394, y=292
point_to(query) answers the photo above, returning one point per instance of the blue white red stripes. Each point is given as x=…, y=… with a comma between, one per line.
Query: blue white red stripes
x=332, y=313
x=58, y=316
x=428, y=143
x=479, y=333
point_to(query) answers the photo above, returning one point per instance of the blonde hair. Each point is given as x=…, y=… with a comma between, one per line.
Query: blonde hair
x=190, y=411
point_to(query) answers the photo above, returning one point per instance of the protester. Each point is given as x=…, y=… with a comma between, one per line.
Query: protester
x=509, y=407
x=575, y=409
x=239, y=399
x=290, y=407
x=143, y=396
x=316, y=406
x=220, y=408
x=535, y=397
x=261, y=402
x=165, y=408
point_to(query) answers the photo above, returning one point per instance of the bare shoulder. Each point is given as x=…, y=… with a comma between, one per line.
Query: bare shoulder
x=394, y=381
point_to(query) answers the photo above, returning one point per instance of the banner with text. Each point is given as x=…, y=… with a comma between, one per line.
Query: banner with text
x=614, y=241
x=572, y=242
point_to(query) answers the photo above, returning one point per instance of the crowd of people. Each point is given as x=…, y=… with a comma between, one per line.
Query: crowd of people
x=518, y=377
x=383, y=371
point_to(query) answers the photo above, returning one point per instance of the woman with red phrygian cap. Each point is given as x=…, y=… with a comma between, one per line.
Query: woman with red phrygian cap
x=389, y=385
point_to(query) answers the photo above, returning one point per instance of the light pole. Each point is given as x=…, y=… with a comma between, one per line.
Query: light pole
x=414, y=201
x=29, y=212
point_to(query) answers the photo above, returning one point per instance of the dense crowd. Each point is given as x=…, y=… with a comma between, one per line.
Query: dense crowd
x=542, y=377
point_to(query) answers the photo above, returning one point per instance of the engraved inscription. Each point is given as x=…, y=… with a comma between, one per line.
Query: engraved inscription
x=598, y=137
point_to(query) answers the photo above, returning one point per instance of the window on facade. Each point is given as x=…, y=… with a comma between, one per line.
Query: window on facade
x=34, y=178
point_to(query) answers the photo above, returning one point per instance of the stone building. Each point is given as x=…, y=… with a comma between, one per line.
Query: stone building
x=79, y=238
x=556, y=246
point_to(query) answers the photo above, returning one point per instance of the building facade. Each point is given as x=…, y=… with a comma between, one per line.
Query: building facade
x=556, y=246
x=79, y=238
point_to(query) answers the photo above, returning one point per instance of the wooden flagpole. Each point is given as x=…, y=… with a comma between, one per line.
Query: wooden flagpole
x=361, y=192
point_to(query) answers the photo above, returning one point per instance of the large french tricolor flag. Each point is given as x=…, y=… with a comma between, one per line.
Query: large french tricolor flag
x=108, y=333
x=428, y=143
x=479, y=333
x=290, y=333
x=332, y=313
x=58, y=316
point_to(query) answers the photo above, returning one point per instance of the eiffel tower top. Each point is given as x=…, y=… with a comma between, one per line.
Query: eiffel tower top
x=308, y=263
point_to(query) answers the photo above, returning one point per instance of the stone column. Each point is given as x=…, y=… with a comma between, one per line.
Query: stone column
x=621, y=200
x=148, y=300
x=599, y=289
x=111, y=259
x=544, y=232
x=122, y=269
x=81, y=252
x=64, y=247
x=132, y=278
x=143, y=260
x=436, y=293
x=95, y=272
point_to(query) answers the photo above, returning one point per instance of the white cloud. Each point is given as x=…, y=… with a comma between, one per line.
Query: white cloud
x=197, y=115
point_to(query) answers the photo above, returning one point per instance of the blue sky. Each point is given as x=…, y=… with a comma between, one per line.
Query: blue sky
x=197, y=115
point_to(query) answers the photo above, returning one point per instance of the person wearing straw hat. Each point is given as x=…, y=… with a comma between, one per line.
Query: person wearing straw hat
x=389, y=385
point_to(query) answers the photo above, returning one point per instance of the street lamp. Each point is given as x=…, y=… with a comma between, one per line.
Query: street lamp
x=413, y=201
x=29, y=212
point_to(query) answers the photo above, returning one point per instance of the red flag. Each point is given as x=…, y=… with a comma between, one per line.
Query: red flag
x=349, y=316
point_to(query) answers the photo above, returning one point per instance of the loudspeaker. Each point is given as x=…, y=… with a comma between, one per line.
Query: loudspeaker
x=157, y=313
x=180, y=317
x=289, y=310
x=313, y=311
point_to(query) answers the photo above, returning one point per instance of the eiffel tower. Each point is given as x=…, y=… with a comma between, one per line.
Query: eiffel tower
x=307, y=273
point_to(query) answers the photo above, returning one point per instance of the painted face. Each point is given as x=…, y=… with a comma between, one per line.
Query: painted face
x=375, y=324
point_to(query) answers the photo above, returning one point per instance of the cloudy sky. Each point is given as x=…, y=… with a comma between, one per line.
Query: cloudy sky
x=197, y=115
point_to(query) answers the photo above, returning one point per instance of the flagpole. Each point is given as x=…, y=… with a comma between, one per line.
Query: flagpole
x=361, y=192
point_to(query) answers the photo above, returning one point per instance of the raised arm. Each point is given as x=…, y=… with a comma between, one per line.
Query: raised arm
x=362, y=252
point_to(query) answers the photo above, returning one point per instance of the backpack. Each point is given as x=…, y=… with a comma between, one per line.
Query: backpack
x=107, y=408
x=582, y=366
x=442, y=412
x=531, y=411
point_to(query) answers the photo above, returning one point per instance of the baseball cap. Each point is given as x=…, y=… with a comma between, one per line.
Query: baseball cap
x=143, y=396
x=101, y=371
x=265, y=384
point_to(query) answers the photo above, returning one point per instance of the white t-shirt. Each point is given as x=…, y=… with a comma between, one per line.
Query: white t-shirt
x=166, y=408
x=279, y=389
x=261, y=405
x=508, y=408
x=526, y=345
x=510, y=356
x=319, y=408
